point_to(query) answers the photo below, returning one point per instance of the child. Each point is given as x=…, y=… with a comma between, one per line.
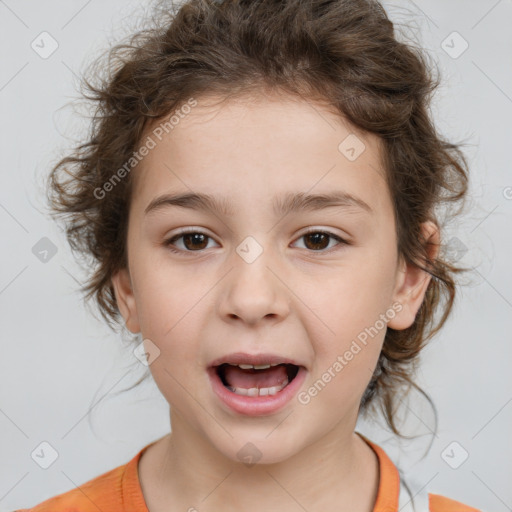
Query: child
x=291, y=142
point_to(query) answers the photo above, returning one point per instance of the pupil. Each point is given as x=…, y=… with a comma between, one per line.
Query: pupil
x=316, y=237
x=194, y=237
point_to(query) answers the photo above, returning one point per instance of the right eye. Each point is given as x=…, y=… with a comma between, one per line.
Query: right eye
x=191, y=239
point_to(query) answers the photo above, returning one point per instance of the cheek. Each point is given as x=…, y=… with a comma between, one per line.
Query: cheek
x=351, y=298
x=345, y=360
x=351, y=309
x=167, y=298
x=170, y=314
x=174, y=329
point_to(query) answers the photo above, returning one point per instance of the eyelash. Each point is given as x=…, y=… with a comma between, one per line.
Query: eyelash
x=168, y=242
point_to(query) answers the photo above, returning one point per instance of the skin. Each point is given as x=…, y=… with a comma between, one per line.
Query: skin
x=297, y=299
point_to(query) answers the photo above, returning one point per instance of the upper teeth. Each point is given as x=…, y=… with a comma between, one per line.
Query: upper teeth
x=255, y=366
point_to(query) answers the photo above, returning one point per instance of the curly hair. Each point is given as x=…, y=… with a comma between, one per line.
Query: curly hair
x=342, y=52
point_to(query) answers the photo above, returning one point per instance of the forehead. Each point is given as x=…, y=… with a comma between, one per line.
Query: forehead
x=247, y=148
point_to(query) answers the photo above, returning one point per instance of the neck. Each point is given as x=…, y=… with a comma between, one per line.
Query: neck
x=338, y=472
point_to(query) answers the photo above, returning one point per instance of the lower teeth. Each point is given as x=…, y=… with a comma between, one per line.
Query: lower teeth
x=258, y=391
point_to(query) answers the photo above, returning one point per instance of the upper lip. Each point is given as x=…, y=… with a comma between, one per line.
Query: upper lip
x=254, y=359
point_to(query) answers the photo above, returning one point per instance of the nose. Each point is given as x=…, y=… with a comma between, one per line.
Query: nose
x=254, y=291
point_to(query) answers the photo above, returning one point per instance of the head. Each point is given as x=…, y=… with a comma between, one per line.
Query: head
x=295, y=99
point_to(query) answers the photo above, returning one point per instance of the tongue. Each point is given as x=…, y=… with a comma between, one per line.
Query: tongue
x=238, y=378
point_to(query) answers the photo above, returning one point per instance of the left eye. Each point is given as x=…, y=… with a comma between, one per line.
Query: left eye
x=318, y=238
x=316, y=241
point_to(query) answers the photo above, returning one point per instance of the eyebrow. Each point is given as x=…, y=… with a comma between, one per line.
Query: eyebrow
x=289, y=203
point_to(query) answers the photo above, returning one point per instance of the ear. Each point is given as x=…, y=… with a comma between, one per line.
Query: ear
x=412, y=282
x=125, y=298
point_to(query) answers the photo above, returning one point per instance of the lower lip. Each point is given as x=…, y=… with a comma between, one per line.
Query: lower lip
x=257, y=405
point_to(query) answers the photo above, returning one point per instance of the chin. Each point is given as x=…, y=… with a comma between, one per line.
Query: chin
x=251, y=451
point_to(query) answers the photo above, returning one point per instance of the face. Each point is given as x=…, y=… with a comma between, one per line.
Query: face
x=317, y=284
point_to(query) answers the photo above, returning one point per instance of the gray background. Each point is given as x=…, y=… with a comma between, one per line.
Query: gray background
x=59, y=363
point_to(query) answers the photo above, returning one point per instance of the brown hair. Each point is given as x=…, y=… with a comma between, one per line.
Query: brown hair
x=341, y=52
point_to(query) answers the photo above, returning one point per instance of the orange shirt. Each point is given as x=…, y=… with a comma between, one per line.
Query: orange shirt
x=118, y=490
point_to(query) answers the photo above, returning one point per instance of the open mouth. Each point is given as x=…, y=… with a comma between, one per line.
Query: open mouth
x=263, y=380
